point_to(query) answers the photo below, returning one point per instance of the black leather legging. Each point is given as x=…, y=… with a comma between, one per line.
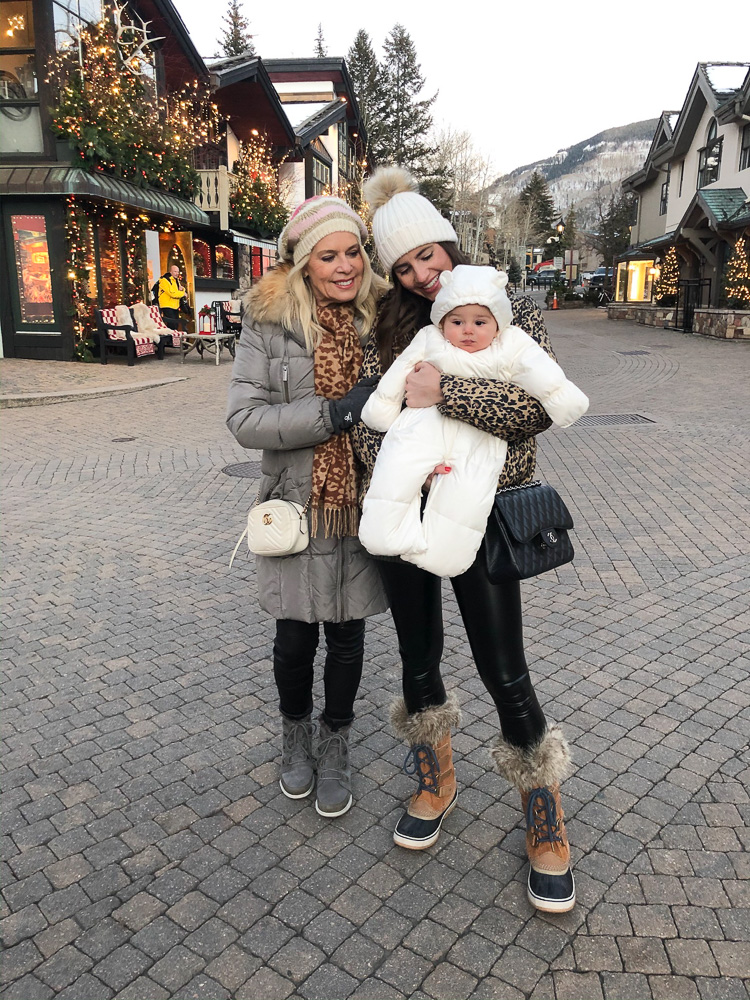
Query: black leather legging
x=293, y=655
x=492, y=617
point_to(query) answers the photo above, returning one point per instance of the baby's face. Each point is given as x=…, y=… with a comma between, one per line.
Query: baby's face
x=472, y=328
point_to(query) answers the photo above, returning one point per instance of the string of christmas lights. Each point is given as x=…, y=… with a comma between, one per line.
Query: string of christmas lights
x=254, y=201
x=737, y=277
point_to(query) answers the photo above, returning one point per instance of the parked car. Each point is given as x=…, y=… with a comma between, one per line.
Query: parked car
x=543, y=279
x=601, y=276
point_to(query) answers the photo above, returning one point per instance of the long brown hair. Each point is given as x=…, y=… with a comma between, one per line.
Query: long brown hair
x=402, y=313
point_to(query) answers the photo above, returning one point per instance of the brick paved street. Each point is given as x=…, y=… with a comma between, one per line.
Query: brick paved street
x=147, y=851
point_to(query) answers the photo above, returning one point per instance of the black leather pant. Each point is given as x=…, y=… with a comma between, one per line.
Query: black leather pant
x=293, y=655
x=492, y=617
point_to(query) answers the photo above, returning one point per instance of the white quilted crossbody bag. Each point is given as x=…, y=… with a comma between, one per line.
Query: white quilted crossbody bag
x=276, y=528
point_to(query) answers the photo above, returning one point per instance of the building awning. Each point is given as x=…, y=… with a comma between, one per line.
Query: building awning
x=252, y=241
x=66, y=180
x=648, y=249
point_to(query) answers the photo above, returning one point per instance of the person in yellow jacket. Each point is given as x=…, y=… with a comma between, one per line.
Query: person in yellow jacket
x=171, y=295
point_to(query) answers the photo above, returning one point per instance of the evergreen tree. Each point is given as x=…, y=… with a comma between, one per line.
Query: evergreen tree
x=407, y=119
x=321, y=49
x=366, y=78
x=615, y=221
x=737, y=277
x=514, y=272
x=537, y=198
x=237, y=38
x=254, y=201
x=665, y=292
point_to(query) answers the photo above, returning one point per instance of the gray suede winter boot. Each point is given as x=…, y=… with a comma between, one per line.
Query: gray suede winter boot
x=334, y=796
x=297, y=761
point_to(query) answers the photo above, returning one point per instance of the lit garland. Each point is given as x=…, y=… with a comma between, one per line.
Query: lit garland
x=254, y=201
x=737, y=277
x=83, y=220
x=113, y=120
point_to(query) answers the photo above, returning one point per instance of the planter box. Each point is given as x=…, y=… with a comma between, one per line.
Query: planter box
x=724, y=324
x=567, y=305
x=645, y=314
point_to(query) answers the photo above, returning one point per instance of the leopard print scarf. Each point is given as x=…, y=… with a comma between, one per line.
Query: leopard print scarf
x=338, y=359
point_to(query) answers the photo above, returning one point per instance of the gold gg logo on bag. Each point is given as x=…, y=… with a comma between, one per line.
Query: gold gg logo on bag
x=267, y=519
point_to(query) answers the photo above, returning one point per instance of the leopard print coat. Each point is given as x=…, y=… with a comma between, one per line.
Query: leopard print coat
x=502, y=409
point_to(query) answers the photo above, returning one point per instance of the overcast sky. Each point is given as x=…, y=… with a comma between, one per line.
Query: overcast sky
x=524, y=78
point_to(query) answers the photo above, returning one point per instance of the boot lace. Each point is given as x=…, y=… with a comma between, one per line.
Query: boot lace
x=422, y=760
x=297, y=741
x=332, y=756
x=541, y=817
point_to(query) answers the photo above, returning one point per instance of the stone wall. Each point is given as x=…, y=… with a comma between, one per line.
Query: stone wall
x=727, y=324
x=646, y=315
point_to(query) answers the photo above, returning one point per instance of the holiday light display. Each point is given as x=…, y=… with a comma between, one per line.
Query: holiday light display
x=737, y=277
x=108, y=111
x=669, y=276
x=254, y=201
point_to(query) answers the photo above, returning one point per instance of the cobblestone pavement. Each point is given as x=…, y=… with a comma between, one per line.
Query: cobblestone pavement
x=147, y=851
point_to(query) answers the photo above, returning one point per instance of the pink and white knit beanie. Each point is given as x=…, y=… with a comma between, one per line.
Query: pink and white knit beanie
x=312, y=220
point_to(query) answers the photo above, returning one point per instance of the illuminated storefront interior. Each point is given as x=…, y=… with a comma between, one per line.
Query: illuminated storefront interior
x=636, y=280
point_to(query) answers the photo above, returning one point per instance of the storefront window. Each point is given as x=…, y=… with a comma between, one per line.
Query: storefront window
x=224, y=262
x=321, y=177
x=622, y=282
x=201, y=259
x=32, y=268
x=110, y=265
x=635, y=280
x=20, y=122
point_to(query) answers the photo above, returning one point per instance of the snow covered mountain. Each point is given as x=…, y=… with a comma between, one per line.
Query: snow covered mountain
x=578, y=174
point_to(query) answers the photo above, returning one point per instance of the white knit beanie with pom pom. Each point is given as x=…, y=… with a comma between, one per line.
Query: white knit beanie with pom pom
x=401, y=218
x=467, y=285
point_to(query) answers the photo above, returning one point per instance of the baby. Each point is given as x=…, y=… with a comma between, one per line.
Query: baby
x=471, y=336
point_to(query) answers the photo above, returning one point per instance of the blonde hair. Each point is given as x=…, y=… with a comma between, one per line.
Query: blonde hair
x=300, y=308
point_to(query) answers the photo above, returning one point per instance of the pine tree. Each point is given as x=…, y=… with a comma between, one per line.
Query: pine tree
x=514, y=272
x=536, y=197
x=366, y=78
x=237, y=39
x=613, y=236
x=321, y=50
x=665, y=292
x=407, y=119
x=570, y=235
x=737, y=277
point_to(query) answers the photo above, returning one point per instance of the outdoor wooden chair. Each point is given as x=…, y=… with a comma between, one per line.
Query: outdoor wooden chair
x=228, y=316
x=115, y=337
x=169, y=337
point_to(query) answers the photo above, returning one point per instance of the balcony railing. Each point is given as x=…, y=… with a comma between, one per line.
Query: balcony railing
x=213, y=196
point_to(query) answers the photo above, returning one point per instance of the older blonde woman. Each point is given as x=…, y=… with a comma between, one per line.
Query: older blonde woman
x=294, y=394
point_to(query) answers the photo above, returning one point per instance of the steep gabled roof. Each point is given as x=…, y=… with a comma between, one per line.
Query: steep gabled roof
x=713, y=84
x=245, y=93
x=659, y=144
x=320, y=121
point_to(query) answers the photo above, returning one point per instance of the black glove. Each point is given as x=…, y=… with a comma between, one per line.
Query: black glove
x=347, y=412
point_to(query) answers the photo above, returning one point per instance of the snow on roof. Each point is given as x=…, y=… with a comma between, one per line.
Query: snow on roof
x=298, y=113
x=673, y=119
x=725, y=78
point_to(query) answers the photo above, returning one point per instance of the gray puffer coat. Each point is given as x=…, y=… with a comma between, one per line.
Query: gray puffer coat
x=272, y=406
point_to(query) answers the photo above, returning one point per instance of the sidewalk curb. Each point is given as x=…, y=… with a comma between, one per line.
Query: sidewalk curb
x=71, y=395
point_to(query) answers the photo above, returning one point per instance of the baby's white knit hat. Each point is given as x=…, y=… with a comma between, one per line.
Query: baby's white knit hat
x=469, y=285
x=402, y=219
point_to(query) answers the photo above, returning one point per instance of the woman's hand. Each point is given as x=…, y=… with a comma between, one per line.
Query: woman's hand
x=439, y=470
x=423, y=386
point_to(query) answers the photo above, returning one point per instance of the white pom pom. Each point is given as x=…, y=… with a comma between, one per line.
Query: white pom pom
x=385, y=183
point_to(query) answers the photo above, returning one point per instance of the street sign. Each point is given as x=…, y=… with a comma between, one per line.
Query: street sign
x=571, y=258
x=571, y=272
x=558, y=263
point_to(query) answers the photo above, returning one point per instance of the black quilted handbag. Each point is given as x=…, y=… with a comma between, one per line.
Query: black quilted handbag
x=527, y=533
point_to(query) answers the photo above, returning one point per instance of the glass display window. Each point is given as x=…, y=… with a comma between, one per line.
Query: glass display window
x=202, y=259
x=110, y=265
x=32, y=268
x=224, y=262
x=16, y=24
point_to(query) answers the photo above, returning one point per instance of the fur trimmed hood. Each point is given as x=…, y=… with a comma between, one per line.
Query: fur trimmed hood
x=265, y=301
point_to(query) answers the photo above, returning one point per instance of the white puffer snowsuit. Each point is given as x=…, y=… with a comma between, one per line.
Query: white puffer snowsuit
x=445, y=540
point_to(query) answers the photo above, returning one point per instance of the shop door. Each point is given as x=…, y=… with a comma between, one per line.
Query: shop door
x=692, y=294
x=34, y=265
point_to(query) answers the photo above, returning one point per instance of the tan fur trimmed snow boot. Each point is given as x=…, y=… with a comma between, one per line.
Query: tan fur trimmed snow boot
x=537, y=773
x=430, y=758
